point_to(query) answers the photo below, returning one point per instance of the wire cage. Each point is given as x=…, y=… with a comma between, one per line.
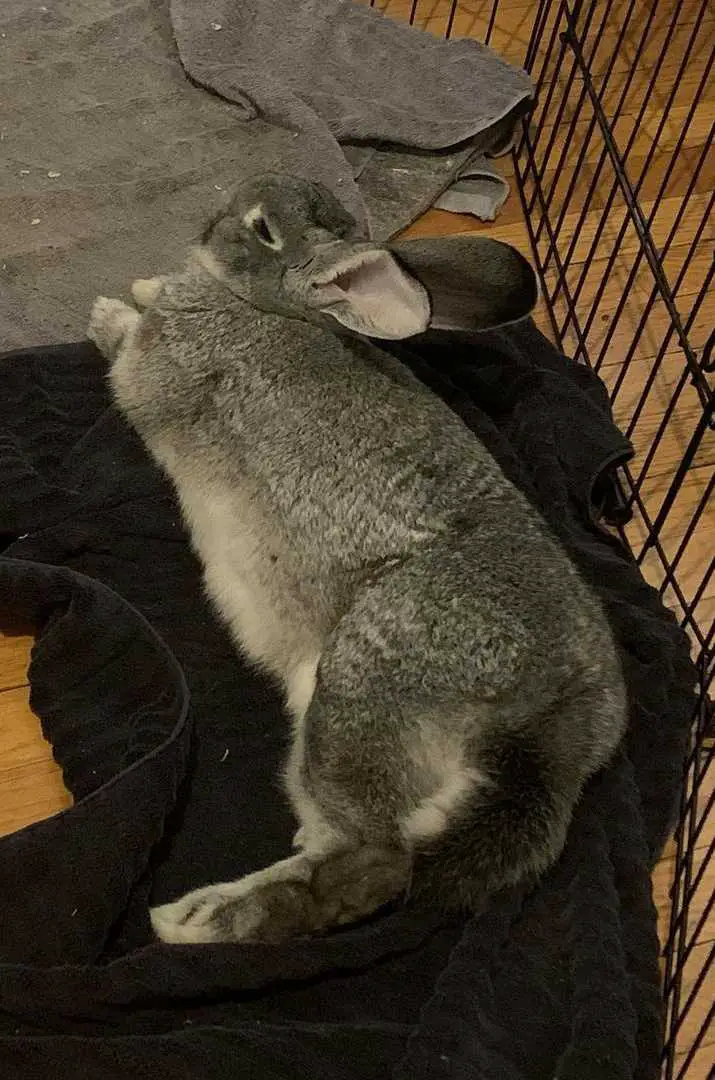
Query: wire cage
x=615, y=173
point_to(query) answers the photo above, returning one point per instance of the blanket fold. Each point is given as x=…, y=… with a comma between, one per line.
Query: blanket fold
x=340, y=70
x=171, y=746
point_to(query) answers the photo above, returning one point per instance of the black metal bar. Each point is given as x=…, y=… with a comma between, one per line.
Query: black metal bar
x=569, y=134
x=540, y=25
x=450, y=22
x=545, y=111
x=630, y=194
x=585, y=142
x=492, y=20
x=685, y=856
x=616, y=186
x=605, y=155
x=707, y=361
x=695, y=517
x=705, y=395
x=704, y=916
x=680, y=474
x=677, y=221
x=698, y=595
x=570, y=91
x=540, y=268
x=695, y=990
x=675, y=946
x=661, y=285
x=692, y=761
x=693, y=366
x=680, y=922
x=537, y=32
x=661, y=282
x=687, y=375
x=565, y=91
x=636, y=500
x=532, y=239
x=687, y=1062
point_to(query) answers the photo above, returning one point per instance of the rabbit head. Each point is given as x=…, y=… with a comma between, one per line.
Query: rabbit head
x=287, y=245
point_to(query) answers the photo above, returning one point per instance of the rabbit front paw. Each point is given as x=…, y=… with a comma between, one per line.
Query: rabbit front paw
x=109, y=322
x=146, y=290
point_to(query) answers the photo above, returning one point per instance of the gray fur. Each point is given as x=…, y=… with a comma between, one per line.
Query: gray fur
x=452, y=681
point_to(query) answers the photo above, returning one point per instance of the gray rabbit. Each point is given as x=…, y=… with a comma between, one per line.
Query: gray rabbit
x=452, y=682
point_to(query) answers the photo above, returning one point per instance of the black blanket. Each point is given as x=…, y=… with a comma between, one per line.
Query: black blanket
x=171, y=747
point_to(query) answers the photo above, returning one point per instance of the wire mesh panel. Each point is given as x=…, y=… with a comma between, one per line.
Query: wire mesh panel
x=616, y=175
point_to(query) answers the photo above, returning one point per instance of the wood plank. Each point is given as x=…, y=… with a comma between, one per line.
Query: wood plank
x=438, y=222
x=663, y=884
x=594, y=183
x=687, y=501
x=31, y=792
x=626, y=88
x=580, y=138
x=603, y=284
x=512, y=34
x=693, y=1020
x=14, y=658
x=701, y=1066
x=593, y=233
x=31, y=786
x=630, y=391
x=563, y=191
x=612, y=341
x=698, y=552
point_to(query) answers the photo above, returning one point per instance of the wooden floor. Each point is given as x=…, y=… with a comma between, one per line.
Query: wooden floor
x=31, y=786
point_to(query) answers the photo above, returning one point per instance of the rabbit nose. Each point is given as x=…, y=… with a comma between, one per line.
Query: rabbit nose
x=321, y=249
x=318, y=238
x=313, y=244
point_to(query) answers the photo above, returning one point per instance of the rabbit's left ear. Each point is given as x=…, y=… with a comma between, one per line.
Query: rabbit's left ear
x=395, y=292
x=473, y=283
x=365, y=289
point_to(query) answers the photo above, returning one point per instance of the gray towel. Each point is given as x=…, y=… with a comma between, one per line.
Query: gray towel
x=336, y=71
x=111, y=160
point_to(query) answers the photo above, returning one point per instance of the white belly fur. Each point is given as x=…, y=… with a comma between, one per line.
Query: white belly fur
x=247, y=571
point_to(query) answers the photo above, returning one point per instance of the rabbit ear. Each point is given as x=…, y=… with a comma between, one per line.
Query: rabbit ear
x=448, y=283
x=368, y=291
x=474, y=283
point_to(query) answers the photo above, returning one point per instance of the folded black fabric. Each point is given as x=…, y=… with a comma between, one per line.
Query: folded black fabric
x=171, y=746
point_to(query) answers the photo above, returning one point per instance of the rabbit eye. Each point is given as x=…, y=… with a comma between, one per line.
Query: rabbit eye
x=264, y=233
x=255, y=220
